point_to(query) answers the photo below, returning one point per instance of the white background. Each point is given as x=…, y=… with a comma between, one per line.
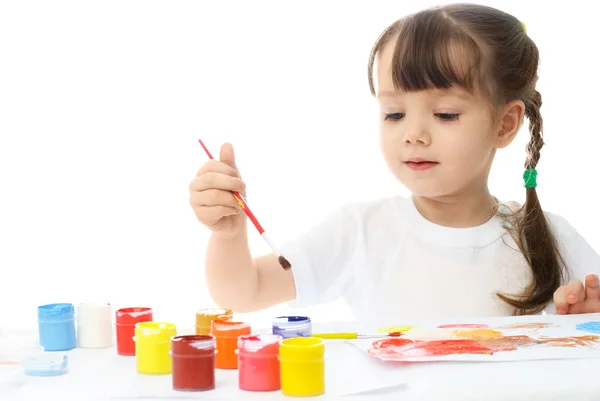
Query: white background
x=102, y=103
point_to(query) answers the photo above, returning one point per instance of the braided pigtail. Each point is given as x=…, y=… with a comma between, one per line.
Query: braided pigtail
x=533, y=234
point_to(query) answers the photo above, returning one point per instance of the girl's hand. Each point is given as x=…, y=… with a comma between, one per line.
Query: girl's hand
x=211, y=194
x=575, y=298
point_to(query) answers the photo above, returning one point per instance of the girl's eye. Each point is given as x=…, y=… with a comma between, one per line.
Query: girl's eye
x=394, y=116
x=447, y=116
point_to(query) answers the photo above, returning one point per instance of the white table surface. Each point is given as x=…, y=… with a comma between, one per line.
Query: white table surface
x=101, y=374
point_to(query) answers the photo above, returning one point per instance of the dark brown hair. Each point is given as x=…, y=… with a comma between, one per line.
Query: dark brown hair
x=487, y=51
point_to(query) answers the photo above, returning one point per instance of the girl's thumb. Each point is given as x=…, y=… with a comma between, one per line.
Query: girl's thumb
x=227, y=156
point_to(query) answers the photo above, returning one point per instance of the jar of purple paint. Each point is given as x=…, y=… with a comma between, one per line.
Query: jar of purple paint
x=292, y=326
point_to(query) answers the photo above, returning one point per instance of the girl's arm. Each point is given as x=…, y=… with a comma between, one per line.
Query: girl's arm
x=241, y=283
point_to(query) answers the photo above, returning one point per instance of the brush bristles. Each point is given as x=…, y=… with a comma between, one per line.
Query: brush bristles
x=284, y=263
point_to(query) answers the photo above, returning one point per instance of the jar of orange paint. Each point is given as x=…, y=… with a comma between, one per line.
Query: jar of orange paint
x=226, y=333
x=258, y=362
x=204, y=318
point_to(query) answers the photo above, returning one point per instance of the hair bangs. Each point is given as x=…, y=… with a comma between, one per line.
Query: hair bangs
x=435, y=53
x=431, y=51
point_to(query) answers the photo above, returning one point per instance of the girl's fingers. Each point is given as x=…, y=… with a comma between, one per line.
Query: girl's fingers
x=592, y=287
x=575, y=292
x=560, y=300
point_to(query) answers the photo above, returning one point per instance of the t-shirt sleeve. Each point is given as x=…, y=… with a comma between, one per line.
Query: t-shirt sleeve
x=321, y=258
x=579, y=256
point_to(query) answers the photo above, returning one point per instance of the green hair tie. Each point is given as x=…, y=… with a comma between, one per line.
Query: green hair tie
x=530, y=176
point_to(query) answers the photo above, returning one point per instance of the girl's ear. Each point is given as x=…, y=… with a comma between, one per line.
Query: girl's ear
x=510, y=123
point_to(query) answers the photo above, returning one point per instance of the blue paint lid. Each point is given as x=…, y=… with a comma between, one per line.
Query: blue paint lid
x=56, y=311
x=45, y=364
x=291, y=322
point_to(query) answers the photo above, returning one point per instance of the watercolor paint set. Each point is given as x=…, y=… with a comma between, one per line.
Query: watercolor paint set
x=289, y=359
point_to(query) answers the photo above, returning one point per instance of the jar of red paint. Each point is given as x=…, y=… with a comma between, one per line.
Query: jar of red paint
x=258, y=362
x=126, y=319
x=193, y=362
x=226, y=333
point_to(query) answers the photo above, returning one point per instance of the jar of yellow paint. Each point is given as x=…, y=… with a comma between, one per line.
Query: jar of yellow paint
x=302, y=366
x=153, y=347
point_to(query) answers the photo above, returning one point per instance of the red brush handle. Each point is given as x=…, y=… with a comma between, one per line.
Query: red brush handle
x=239, y=198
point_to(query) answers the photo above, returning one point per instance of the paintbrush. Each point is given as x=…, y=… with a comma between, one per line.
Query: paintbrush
x=354, y=336
x=282, y=260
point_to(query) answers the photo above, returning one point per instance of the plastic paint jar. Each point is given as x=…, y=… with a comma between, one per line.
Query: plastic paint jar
x=302, y=364
x=258, y=362
x=153, y=347
x=94, y=325
x=204, y=318
x=292, y=326
x=126, y=319
x=56, y=324
x=226, y=333
x=193, y=363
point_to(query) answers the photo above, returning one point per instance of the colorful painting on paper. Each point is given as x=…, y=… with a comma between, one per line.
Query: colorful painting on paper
x=493, y=339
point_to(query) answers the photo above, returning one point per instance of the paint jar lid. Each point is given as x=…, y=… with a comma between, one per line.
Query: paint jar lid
x=284, y=324
x=301, y=349
x=133, y=315
x=291, y=322
x=229, y=328
x=94, y=305
x=212, y=312
x=154, y=331
x=11, y=376
x=264, y=344
x=204, y=317
x=56, y=311
x=193, y=345
x=45, y=364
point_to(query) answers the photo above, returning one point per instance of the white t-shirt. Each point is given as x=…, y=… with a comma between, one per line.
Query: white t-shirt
x=392, y=265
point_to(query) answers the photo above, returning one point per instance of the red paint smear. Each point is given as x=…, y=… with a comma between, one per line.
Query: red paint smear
x=463, y=326
x=392, y=342
x=397, y=348
x=447, y=347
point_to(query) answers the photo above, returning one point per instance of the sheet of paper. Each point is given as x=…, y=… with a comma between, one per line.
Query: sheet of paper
x=494, y=340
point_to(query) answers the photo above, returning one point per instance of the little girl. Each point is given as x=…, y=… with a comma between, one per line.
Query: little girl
x=454, y=84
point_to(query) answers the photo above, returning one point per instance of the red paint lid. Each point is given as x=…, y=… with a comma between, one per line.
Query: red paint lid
x=259, y=344
x=133, y=315
x=193, y=345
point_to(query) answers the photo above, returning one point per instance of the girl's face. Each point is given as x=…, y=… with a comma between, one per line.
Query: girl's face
x=437, y=142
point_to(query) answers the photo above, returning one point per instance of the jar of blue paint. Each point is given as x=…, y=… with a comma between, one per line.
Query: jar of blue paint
x=56, y=324
x=292, y=326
